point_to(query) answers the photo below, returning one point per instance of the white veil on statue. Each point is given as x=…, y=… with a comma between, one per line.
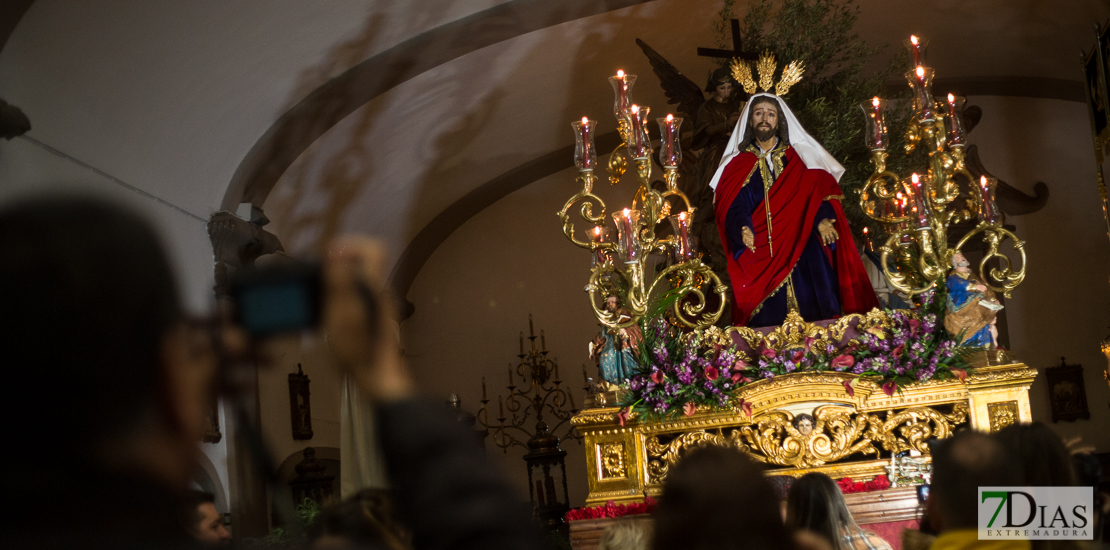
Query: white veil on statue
x=812, y=153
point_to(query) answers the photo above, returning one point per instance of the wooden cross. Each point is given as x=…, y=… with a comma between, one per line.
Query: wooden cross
x=737, y=47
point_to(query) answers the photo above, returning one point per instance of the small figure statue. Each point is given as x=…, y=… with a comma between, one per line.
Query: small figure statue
x=972, y=310
x=804, y=424
x=612, y=349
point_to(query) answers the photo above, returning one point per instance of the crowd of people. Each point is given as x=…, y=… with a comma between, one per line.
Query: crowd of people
x=104, y=361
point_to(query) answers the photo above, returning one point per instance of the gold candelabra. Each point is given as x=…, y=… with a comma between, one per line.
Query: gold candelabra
x=917, y=210
x=620, y=266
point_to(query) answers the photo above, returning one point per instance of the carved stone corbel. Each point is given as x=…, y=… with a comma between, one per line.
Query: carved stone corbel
x=238, y=243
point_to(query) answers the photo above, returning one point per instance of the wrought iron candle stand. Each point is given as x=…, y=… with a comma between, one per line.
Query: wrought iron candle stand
x=621, y=267
x=539, y=395
x=918, y=209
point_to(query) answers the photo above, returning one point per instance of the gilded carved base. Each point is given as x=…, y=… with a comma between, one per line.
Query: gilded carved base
x=844, y=436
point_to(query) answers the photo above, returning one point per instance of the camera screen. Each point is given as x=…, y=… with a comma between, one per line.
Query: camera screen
x=276, y=307
x=922, y=493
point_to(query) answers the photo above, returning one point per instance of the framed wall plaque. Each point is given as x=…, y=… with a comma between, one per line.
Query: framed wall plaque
x=300, y=408
x=1066, y=392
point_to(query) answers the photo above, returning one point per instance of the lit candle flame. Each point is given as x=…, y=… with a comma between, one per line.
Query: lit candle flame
x=951, y=98
x=620, y=73
x=670, y=117
x=920, y=71
x=898, y=196
x=914, y=178
x=597, y=231
x=983, y=181
x=585, y=121
x=913, y=39
x=875, y=101
x=635, y=108
x=682, y=215
x=626, y=212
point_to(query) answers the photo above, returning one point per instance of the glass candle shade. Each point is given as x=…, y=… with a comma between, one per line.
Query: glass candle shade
x=622, y=93
x=957, y=137
x=988, y=210
x=585, y=153
x=916, y=46
x=670, y=148
x=639, y=146
x=684, y=249
x=598, y=235
x=628, y=235
x=875, y=128
x=919, y=197
x=921, y=81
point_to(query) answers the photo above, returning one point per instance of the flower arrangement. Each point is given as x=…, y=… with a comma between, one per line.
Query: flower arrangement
x=847, y=486
x=681, y=371
x=611, y=510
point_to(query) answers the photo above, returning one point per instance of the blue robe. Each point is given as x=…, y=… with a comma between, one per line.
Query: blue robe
x=959, y=296
x=814, y=277
x=617, y=365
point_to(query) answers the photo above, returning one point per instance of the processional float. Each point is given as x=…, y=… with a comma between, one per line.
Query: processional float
x=823, y=416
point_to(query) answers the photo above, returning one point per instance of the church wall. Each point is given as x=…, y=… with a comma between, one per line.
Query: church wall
x=1063, y=307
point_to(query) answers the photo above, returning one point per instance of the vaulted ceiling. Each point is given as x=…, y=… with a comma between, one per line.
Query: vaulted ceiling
x=404, y=118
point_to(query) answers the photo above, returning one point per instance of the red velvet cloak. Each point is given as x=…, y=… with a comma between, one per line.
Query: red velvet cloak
x=795, y=197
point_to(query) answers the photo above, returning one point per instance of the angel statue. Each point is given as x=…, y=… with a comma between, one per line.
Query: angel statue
x=714, y=119
x=777, y=206
x=613, y=349
x=972, y=309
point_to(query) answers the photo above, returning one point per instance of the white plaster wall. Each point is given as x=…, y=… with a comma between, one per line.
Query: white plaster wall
x=1063, y=307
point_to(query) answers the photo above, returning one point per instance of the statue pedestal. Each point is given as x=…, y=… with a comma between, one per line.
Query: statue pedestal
x=853, y=435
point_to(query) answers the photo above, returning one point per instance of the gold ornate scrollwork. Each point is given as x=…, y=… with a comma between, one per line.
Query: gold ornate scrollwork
x=916, y=426
x=837, y=433
x=1004, y=279
x=794, y=331
x=611, y=459
x=1002, y=414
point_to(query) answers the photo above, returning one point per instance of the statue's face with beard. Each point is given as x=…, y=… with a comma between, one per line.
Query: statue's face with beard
x=765, y=119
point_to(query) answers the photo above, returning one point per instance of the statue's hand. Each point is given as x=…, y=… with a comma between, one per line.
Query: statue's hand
x=827, y=231
x=749, y=238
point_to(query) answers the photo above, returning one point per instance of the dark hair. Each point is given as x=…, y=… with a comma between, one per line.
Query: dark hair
x=365, y=519
x=720, y=76
x=1044, y=458
x=717, y=498
x=962, y=464
x=87, y=296
x=749, y=133
x=816, y=504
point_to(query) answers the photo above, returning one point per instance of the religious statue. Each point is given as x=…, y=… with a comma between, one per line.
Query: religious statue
x=803, y=423
x=972, y=307
x=777, y=206
x=612, y=350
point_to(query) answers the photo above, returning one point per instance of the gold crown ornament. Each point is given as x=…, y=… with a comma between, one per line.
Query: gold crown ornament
x=791, y=74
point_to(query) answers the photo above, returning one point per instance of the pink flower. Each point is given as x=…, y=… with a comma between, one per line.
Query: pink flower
x=914, y=325
x=740, y=378
x=657, y=377
x=797, y=356
x=809, y=342
x=745, y=406
x=622, y=416
x=843, y=361
x=740, y=365
x=848, y=387
x=889, y=387
x=711, y=373
x=689, y=409
x=876, y=331
x=960, y=373
x=898, y=350
x=769, y=353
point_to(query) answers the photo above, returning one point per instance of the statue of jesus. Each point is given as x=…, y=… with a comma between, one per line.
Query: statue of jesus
x=777, y=205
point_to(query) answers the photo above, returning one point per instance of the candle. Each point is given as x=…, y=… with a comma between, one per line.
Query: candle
x=549, y=483
x=876, y=131
x=670, y=150
x=622, y=90
x=483, y=388
x=556, y=372
x=866, y=239
x=920, y=71
x=638, y=148
x=500, y=407
x=988, y=211
x=921, y=206
x=531, y=329
x=916, y=49
x=539, y=493
x=628, y=222
x=955, y=125
x=681, y=224
x=900, y=203
x=570, y=396
x=522, y=342
x=511, y=384
x=923, y=78
x=543, y=342
x=585, y=155
x=598, y=235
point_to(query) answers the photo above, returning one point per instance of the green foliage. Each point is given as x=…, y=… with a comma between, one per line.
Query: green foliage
x=821, y=33
x=283, y=537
